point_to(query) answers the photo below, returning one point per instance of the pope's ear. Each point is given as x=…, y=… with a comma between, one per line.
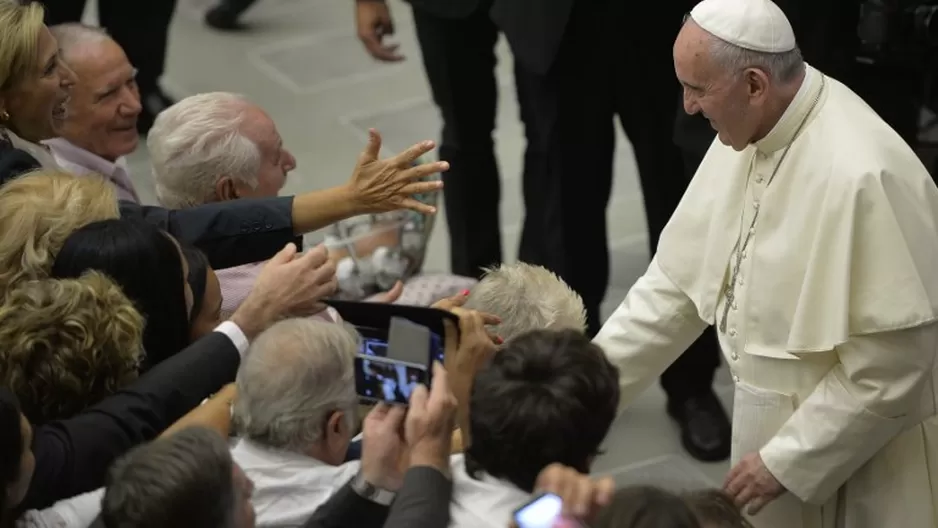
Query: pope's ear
x=757, y=82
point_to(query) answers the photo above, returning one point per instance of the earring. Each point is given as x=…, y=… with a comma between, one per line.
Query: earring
x=4, y=115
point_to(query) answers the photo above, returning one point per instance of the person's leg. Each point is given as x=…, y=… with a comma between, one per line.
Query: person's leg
x=142, y=29
x=567, y=179
x=62, y=11
x=648, y=111
x=459, y=59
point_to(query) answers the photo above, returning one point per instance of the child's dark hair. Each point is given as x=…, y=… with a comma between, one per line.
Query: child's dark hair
x=715, y=508
x=646, y=507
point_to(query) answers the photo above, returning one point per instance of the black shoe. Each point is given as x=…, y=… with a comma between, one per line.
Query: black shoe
x=705, y=427
x=152, y=103
x=223, y=19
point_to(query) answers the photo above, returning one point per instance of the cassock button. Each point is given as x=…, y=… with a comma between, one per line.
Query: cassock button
x=755, y=205
x=732, y=332
x=736, y=378
x=735, y=356
x=759, y=178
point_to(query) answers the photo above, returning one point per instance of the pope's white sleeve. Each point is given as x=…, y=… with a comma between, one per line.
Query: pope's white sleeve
x=652, y=327
x=865, y=400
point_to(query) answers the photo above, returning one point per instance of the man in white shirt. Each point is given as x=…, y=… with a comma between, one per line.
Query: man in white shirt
x=103, y=107
x=546, y=397
x=809, y=237
x=295, y=415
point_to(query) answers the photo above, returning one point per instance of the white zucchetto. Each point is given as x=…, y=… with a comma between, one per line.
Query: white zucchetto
x=757, y=25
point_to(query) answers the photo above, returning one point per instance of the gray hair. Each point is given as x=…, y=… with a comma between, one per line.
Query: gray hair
x=527, y=298
x=182, y=480
x=780, y=67
x=294, y=376
x=72, y=34
x=197, y=141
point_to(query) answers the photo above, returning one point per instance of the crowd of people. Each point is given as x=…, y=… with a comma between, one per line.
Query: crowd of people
x=804, y=249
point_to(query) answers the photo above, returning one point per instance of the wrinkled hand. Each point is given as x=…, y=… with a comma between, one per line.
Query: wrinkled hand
x=389, y=297
x=379, y=186
x=431, y=418
x=582, y=496
x=750, y=483
x=383, y=447
x=373, y=21
x=288, y=285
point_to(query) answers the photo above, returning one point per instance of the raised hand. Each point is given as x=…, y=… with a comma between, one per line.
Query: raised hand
x=379, y=186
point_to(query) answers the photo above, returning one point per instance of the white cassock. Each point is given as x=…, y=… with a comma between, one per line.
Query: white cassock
x=831, y=332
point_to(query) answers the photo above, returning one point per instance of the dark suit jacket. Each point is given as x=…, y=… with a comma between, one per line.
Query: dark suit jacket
x=229, y=233
x=73, y=455
x=423, y=501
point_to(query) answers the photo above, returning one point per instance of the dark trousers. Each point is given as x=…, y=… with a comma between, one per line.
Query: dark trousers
x=459, y=59
x=141, y=27
x=568, y=114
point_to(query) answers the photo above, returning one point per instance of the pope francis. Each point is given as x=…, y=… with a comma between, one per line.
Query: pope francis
x=809, y=237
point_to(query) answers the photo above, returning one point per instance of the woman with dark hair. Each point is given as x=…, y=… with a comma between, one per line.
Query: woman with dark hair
x=205, y=312
x=150, y=267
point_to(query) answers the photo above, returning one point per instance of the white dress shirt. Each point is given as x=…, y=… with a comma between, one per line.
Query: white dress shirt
x=484, y=501
x=288, y=487
x=77, y=512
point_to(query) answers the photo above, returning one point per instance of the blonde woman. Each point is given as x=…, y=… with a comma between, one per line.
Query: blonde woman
x=38, y=213
x=34, y=87
x=67, y=344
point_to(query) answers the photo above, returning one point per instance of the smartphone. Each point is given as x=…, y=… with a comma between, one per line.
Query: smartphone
x=379, y=379
x=544, y=511
x=375, y=343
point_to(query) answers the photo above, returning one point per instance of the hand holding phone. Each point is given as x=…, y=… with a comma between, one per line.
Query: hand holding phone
x=568, y=497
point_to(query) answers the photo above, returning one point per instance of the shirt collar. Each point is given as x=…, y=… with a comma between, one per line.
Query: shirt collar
x=66, y=151
x=258, y=453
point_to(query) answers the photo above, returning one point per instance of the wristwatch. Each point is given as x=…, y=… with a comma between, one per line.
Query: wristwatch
x=369, y=491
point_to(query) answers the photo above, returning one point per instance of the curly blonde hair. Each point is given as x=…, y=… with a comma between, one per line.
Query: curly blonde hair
x=65, y=344
x=37, y=213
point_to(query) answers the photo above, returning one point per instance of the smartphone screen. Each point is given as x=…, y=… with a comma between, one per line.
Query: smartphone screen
x=380, y=379
x=543, y=512
x=375, y=343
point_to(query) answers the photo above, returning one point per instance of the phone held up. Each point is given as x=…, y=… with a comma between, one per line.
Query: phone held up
x=544, y=511
x=398, y=347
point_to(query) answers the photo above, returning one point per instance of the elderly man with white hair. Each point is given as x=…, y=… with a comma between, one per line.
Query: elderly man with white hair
x=526, y=298
x=103, y=107
x=218, y=146
x=296, y=415
x=809, y=237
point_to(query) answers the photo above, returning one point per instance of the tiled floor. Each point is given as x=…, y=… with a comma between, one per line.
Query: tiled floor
x=302, y=62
